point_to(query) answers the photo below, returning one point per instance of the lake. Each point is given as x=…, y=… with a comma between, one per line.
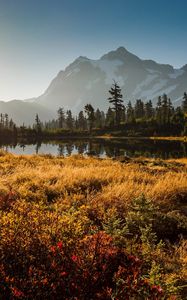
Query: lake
x=103, y=148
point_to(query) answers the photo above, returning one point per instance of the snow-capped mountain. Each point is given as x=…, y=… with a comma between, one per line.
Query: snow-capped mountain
x=88, y=81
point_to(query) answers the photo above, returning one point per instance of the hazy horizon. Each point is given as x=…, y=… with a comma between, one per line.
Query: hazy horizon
x=40, y=39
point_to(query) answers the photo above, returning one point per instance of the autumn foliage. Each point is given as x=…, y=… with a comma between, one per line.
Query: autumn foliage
x=77, y=237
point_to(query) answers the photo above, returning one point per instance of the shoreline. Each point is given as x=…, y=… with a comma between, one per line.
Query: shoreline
x=108, y=137
x=159, y=138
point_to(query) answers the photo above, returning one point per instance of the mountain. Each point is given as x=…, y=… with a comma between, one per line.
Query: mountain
x=88, y=81
x=25, y=112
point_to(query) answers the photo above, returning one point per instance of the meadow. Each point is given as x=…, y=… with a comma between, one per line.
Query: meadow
x=87, y=228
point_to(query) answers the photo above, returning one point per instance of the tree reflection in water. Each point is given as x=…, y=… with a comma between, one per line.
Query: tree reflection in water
x=103, y=148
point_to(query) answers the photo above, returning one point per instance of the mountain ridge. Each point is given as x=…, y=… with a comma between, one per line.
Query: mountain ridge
x=87, y=81
x=138, y=78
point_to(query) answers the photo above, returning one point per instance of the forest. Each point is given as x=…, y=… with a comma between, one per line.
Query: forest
x=140, y=119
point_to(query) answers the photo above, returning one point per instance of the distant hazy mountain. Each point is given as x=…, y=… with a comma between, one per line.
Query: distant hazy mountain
x=25, y=112
x=88, y=81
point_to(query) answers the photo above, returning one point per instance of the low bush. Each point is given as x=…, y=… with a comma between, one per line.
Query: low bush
x=99, y=241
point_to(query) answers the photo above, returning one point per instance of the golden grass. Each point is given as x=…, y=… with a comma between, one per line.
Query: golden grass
x=56, y=198
x=170, y=138
x=42, y=177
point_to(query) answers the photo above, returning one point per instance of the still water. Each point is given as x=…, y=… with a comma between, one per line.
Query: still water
x=103, y=148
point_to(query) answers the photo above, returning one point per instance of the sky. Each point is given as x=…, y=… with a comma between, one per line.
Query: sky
x=39, y=38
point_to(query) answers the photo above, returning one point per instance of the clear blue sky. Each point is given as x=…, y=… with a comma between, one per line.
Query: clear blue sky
x=38, y=38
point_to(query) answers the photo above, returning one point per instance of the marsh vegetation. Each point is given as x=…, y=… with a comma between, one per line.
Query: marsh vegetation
x=89, y=228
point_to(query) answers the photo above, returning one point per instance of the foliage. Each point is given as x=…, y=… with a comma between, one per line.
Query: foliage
x=83, y=228
x=140, y=119
x=89, y=110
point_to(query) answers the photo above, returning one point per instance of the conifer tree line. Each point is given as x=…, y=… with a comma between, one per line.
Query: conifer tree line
x=8, y=128
x=120, y=114
x=5, y=123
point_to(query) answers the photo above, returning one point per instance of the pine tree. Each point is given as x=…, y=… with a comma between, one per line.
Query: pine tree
x=61, y=117
x=149, y=111
x=164, y=109
x=22, y=130
x=159, y=111
x=102, y=118
x=38, y=124
x=116, y=101
x=76, y=123
x=98, y=119
x=130, y=113
x=184, y=103
x=81, y=121
x=170, y=111
x=139, y=109
x=184, y=109
x=178, y=117
x=123, y=114
x=11, y=124
x=89, y=110
x=1, y=120
x=109, y=118
x=6, y=121
x=69, y=120
x=15, y=132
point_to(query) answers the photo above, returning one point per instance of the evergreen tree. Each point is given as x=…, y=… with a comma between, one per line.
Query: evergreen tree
x=89, y=110
x=116, y=101
x=178, y=117
x=185, y=125
x=170, y=111
x=184, y=109
x=15, y=132
x=11, y=124
x=139, y=109
x=76, y=123
x=123, y=114
x=2, y=121
x=149, y=111
x=98, y=119
x=102, y=118
x=22, y=130
x=164, y=109
x=81, y=121
x=130, y=113
x=6, y=121
x=38, y=126
x=159, y=111
x=184, y=103
x=61, y=117
x=69, y=120
x=109, y=118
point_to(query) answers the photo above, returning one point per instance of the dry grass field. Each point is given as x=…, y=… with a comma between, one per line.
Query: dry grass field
x=66, y=220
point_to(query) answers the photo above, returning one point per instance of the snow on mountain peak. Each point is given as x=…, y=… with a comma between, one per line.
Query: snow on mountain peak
x=87, y=80
x=110, y=69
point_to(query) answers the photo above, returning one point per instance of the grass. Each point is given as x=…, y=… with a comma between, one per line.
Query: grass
x=159, y=138
x=56, y=212
x=170, y=138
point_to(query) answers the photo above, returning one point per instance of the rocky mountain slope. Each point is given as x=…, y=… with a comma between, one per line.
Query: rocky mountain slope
x=88, y=81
